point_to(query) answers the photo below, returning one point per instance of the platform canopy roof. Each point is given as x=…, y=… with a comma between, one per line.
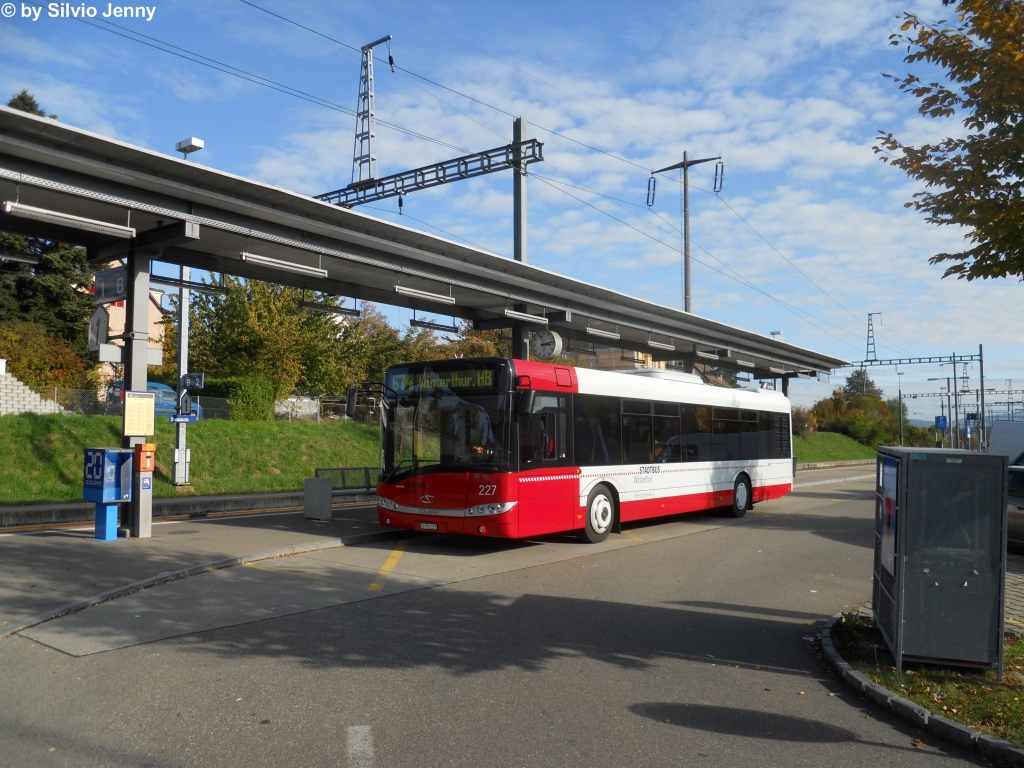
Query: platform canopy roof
x=64, y=183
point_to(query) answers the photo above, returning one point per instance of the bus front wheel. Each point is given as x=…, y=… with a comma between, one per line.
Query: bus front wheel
x=741, y=497
x=600, y=516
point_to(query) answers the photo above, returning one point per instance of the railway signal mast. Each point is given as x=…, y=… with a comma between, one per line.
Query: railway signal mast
x=364, y=149
x=366, y=186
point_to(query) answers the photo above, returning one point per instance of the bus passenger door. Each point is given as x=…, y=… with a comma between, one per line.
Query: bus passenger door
x=548, y=484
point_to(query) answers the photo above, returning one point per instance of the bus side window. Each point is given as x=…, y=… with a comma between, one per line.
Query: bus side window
x=749, y=435
x=764, y=435
x=596, y=430
x=695, y=431
x=667, y=443
x=543, y=433
x=637, y=444
x=726, y=429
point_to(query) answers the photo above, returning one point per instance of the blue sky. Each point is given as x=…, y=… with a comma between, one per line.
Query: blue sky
x=810, y=229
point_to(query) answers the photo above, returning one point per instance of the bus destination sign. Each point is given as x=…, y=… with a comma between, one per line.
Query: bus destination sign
x=427, y=380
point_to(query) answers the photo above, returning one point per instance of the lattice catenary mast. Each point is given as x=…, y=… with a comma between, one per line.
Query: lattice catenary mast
x=364, y=149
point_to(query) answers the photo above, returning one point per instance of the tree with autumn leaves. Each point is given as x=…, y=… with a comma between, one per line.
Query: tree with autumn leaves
x=260, y=330
x=859, y=410
x=976, y=180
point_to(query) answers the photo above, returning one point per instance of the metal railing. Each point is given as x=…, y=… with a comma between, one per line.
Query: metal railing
x=91, y=402
x=70, y=402
x=350, y=478
x=213, y=407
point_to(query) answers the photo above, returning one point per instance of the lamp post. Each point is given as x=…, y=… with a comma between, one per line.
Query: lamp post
x=189, y=145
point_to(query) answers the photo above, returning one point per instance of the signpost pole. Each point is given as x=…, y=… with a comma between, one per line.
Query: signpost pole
x=949, y=411
x=181, y=455
x=520, y=336
x=983, y=434
x=956, y=404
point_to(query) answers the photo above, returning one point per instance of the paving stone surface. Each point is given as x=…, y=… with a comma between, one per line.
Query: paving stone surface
x=1013, y=607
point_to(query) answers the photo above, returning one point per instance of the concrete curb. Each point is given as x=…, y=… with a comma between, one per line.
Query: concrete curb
x=941, y=727
x=295, y=549
x=827, y=464
x=77, y=512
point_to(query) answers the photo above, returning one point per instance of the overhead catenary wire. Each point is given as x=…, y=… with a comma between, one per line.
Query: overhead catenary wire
x=572, y=96
x=354, y=49
x=289, y=90
x=794, y=310
x=426, y=224
x=252, y=77
x=339, y=43
x=745, y=277
x=315, y=33
x=809, y=279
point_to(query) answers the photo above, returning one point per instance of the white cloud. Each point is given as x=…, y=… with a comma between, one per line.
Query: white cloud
x=788, y=93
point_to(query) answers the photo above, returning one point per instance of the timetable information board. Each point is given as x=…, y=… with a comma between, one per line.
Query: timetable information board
x=139, y=410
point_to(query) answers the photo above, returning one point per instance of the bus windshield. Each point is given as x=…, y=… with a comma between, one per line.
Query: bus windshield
x=446, y=416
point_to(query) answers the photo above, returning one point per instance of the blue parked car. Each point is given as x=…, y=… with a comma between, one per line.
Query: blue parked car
x=166, y=399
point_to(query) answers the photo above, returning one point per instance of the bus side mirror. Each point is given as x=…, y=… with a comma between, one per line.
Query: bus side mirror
x=350, y=402
x=526, y=400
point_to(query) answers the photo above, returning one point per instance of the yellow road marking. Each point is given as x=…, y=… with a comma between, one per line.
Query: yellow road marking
x=1014, y=621
x=633, y=536
x=389, y=566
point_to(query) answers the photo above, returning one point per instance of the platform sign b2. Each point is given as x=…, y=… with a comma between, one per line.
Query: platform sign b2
x=941, y=422
x=193, y=381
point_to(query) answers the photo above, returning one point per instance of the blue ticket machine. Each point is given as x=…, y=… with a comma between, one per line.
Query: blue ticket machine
x=107, y=481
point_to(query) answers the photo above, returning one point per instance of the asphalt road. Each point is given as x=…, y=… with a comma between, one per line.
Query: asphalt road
x=685, y=642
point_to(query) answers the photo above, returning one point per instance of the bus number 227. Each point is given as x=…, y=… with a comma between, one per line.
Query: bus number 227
x=487, y=490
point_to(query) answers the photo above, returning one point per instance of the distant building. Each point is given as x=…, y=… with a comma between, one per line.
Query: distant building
x=116, y=312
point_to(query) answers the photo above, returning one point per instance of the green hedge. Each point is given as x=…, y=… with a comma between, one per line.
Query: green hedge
x=253, y=400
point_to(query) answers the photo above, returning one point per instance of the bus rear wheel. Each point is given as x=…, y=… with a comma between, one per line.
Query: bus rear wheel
x=741, y=497
x=600, y=516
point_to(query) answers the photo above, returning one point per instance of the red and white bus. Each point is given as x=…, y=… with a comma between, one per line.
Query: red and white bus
x=510, y=448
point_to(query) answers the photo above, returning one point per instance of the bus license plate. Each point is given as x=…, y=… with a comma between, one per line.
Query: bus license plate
x=428, y=526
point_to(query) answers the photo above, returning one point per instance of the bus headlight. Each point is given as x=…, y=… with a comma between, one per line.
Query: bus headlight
x=495, y=508
x=387, y=504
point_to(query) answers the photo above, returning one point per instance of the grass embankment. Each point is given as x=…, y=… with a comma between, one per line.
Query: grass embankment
x=829, y=446
x=42, y=456
x=972, y=698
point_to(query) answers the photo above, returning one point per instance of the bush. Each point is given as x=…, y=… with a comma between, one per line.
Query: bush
x=803, y=421
x=222, y=386
x=252, y=399
x=39, y=360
